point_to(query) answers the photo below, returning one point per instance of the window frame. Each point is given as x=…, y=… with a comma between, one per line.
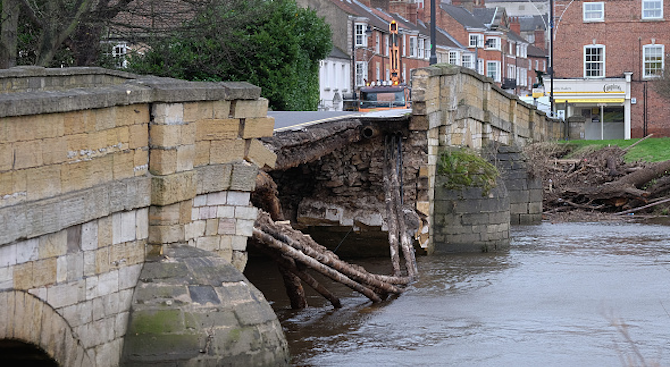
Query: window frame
x=361, y=40
x=361, y=73
x=588, y=70
x=478, y=40
x=497, y=44
x=469, y=64
x=453, y=56
x=387, y=41
x=601, y=18
x=659, y=9
x=646, y=74
x=412, y=46
x=496, y=69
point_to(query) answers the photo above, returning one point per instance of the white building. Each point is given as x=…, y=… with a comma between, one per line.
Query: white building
x=334, y=80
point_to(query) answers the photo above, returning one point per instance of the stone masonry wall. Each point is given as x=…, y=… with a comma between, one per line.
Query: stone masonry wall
x=99, y=168
x=458, y=107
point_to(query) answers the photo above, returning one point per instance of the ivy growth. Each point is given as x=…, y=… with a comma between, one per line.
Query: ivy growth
x=464, y=168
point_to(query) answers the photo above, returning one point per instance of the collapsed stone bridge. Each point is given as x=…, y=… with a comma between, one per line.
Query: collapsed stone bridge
x=125, y=204
x=330, y=177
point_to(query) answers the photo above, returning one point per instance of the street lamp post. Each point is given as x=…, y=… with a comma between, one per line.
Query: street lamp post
x=551, y=56
x=433, y=31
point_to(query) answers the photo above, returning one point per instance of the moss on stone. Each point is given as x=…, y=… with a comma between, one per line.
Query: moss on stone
x=156, y=322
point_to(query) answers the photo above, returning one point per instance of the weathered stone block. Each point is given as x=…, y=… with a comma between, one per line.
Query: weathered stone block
x=194, y=111
x=226, y=151
x=217, y=129
x=27, y=154
x=168, y=113
x=44, y=272
x=243, y=177
x=249, y=108
x=162, y=161
x=139, y=136
x=185, y=157
x=173, y=188
x=53, y=245
x=123, y=227
x=213, y=178
x=201, y=153
x=124, y=165
x=56, y=152
x=160, y=235
x=258, y=127
x=258, y=154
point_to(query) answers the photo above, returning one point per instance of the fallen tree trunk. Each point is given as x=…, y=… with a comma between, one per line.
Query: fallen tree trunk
x=307, y=246
x=391, y=219
x=314, y=264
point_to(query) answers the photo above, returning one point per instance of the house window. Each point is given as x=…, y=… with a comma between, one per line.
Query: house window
x=386, y=45
x=480, y=66
x=361, y=39
x=422, y=45
x=493, y=43
x=119, y=52
x=476, y=40
x=377, y=43
x=467, y=61
x=412, y=46
x=428, y=49
x=652, y=9
x=653, y=60
x=453, y=57
x=378, y=71
x=493, y=70
x=361, y=73
x=594, y=61
x=404, y=44
x=594, y=12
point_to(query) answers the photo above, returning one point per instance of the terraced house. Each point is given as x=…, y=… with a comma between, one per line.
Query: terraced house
x=607, y=55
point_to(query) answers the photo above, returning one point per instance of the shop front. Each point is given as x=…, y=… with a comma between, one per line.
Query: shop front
x=600, y=108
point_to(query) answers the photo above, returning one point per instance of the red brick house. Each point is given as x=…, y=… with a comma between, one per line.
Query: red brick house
x=607, y=55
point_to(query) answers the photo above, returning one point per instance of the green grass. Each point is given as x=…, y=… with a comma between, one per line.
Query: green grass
x=650, y=150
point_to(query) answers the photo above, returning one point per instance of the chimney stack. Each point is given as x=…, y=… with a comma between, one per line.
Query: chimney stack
x=514, y=25
x=540, y=41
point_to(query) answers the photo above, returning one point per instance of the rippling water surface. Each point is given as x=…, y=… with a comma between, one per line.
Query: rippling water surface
x=570, y=294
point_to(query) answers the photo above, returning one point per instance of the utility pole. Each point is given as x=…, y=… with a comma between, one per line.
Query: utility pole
x=551, y=55
x=433, y=31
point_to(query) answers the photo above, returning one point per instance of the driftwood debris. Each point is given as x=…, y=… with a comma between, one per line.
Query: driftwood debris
x=398, y=233
x=294, y=250
x=600, y=181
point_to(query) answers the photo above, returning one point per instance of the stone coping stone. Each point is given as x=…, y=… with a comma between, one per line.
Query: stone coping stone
x=122, y=89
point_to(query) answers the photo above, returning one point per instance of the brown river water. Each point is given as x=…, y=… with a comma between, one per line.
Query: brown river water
x=568, y=294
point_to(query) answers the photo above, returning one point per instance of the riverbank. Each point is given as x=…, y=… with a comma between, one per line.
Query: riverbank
x=614, y=180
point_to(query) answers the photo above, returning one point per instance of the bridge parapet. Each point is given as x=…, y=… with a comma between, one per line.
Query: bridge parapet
x=457, y=107
x=100, y=168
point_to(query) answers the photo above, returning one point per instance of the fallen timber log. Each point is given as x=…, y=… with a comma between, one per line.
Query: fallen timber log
x=286, y=243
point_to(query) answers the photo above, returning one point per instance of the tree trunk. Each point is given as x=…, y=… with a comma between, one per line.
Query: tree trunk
x=314, y=264
x=306, y=245
x=294, y=289
x=391, y=220
x=9, y=33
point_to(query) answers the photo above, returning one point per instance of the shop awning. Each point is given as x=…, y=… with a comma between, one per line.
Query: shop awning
x=590, y=100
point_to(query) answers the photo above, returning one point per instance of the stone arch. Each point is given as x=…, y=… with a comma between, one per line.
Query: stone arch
x=28, y=319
